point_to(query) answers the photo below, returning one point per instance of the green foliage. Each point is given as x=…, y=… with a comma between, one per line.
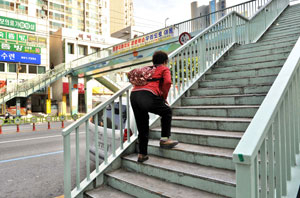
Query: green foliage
x=185, y=67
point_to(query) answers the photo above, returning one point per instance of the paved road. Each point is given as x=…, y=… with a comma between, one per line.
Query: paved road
x=31, y=163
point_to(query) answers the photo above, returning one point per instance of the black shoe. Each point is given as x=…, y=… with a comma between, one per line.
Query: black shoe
x=168, y=143
x=142, y=158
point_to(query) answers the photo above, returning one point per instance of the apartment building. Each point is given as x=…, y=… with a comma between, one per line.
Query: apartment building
x=121, y=15
x=86, y=17
x=203, y=11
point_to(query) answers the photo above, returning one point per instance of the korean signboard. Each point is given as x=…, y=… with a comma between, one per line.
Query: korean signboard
x=23, y=39
x=18, y=24
x=20, y=48
x=145, y=40
x=21, y=57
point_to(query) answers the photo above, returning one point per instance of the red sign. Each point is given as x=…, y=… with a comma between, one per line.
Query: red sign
x=66, y=88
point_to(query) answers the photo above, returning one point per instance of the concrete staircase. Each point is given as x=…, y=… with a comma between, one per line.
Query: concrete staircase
x=209, y=123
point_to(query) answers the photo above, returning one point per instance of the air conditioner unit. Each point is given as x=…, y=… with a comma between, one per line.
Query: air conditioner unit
x=44, y=7
x=44, y=17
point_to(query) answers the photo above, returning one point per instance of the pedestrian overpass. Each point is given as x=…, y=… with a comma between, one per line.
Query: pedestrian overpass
x=235, y=102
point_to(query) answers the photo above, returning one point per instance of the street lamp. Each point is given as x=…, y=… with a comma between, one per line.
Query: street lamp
x=166, y=21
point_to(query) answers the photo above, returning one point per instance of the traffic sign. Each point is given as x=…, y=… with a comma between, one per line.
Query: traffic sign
x=62, y=118
x=17, y=120
x=34, y=119
x=184, y=37
x=75, y=117
x=48, y=119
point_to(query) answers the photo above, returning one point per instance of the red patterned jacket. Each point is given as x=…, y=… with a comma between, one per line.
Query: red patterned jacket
x=154, y=86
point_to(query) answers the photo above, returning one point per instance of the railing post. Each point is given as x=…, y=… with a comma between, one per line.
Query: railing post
x=67, y=167
x=233, y=18
x=245, y=180
x=202, y=54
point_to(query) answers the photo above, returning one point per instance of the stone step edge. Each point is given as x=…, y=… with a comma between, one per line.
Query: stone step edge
x=230, y=87
x=222, y=96
x=240, y=52
x=225, y=79
x=212, y=179
x=245, y=70
x=204, y=132
x=154, y=179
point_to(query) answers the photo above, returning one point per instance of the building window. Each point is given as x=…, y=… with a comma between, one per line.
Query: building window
x=2, y=67
x=22, y=69
x=32, y=69
x=94, y=49
x=82, y=50
x=41, y=69
x=12, y=67
x=70, y=48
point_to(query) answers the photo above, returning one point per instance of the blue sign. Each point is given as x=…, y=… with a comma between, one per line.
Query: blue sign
x=213, y=9
x=21, y=57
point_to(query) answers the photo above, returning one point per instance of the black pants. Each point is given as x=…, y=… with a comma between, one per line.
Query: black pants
x=142, y=103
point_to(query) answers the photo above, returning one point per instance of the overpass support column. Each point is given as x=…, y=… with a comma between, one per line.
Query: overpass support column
x=73, y=94
x=88, y=94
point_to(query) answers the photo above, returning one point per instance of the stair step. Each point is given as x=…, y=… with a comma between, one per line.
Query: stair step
x=105, y=192
x=144, y=186
x=281, y=32
x=213, y=123
x=279, y=38
x=266, y=52
x=288, y=18
x=259, y=48
x=253, y=89
x=220, y=69
x=246, y=99
x=197, y=154
x=238, y=81
x=256, y=59
x=244, y=73
x=246, y=111
x=214, y=180
x=198, y=132
x=261, y=44
x=279, y=26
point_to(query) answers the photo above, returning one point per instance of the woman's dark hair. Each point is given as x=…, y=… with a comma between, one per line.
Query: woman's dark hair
x=159, y=57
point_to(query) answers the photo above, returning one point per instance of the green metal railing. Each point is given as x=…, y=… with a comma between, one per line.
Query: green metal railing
x=267, y=151
x=188, y=63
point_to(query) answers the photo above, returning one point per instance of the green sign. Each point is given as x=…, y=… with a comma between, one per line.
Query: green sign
x=19, y=24
x=2, y=35
x=20, y=48
x=11, y=36
x=22, y=37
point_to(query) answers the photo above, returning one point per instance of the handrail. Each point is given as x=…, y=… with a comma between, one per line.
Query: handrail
x=187, y=64
x=277, y=119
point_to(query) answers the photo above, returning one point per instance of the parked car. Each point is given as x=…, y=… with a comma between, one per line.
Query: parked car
x=118, y=115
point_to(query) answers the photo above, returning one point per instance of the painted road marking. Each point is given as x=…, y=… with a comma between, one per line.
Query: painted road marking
x=37, y=138
x=31, y=156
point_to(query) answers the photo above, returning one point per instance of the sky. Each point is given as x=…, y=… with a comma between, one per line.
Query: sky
x=151, y=15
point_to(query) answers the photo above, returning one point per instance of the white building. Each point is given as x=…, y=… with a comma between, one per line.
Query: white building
x=67, y=45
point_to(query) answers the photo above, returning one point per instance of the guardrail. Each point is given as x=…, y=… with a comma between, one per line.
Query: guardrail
x=188, y=63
